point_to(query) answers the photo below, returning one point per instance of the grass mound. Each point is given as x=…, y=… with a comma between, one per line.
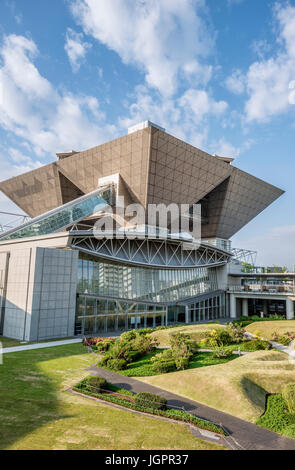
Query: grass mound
x=37, y=414
x=238, y=387
x=196, y=332
x=143, y=367
x=267, y=328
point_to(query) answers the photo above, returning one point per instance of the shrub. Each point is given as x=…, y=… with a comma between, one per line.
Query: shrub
x=145, y=331
x=117, y=364
x=217, y=338
x=284, y=339
x=104, y=345
x=96, y=384
x=163, y=367
x=288, y=394
x=237, y=333
x=256, y=345
x=181, y=362
x=222, y=353
x=132, y=356
x=163, y=362
x=149, y=400
x=90, y=341
x=183, y=348
x=104, y=361
x=128, y=335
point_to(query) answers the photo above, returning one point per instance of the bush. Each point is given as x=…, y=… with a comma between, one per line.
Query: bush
x=217, y=338
x=144, y=331
x=222, y=353
x=256, y=345
x=117, y=364
x=128, y=335
x=284, y=339
x=132, y=356
x=104, y=345
x=181, y=362
x=237, y=333
x=90, y=341
x=288, y=394
x=96, y=384
x=149, y=400
x=104, y=361
x=163, y=362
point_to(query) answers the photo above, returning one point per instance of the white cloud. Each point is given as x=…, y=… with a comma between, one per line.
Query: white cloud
x=236, y=82
x=186, y=117
x=76, y=48
x=267, y=80
x=33, y=110
x=165, y=39
x=200, y=103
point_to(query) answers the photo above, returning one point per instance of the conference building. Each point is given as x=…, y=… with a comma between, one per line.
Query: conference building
x=64, y=272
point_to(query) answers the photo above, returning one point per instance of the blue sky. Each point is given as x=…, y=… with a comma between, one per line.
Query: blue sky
x=76, y=73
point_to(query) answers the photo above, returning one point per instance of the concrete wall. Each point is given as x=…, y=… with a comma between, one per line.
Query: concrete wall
x=41, y=293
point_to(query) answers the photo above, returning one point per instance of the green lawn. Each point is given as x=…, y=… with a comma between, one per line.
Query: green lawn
x=10, y=342
x=238, y=387
x=143, y=367
x=37, y=413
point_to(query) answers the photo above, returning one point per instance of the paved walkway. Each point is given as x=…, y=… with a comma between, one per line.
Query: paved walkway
x=50, y=344
x=244, y=435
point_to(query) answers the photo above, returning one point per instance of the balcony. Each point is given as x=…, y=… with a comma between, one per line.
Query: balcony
x=281, y=289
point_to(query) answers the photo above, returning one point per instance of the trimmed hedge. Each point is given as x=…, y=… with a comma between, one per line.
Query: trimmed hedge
x=95, y=383
x=149, y=400
x=170, y=413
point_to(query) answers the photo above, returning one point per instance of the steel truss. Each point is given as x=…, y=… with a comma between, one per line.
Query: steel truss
x=162, y=253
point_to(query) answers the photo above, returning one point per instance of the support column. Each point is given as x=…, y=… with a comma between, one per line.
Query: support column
x=233, y=306
x=290, y=308
x=265, y=309
x=186, y=314
x=245, y=312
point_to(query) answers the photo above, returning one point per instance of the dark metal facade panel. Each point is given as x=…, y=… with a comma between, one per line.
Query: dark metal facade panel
x=154, y=167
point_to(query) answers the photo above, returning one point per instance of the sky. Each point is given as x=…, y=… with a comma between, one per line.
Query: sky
x=219, y=74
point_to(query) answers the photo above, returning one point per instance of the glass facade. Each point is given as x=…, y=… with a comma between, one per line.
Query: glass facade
x=95, y=315
x=138, y=283
x=61, y=217
x=209, y=309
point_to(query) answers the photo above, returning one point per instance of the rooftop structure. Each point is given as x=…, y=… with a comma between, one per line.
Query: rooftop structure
x=62, y=274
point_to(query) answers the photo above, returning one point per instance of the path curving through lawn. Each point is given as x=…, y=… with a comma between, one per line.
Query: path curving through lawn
x=243, y=435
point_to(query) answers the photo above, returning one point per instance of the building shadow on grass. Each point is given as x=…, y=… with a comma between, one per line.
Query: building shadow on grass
x=256, y=394
x=28, y=393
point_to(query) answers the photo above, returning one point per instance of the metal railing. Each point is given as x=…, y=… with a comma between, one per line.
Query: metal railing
x=263, y=289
